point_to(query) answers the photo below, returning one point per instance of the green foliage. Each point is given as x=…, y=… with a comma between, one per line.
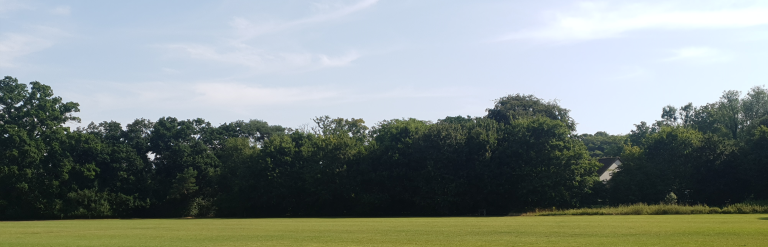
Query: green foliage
x=552, y=168
x=355, y=128
x=35, y=168
x=520, y=106
x=465, y=164
x=699, y=167
x=602, y=144
x=732, y=116
x=671, y=198
x=184, y=168
x=641, y=131
x=755, y=169
x=256, y=131
x=657, y=209
x=184, y=183
x=522, y=155
x=89, y=203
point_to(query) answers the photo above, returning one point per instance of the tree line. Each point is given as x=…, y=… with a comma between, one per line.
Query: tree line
x=523, y=154
x=715, y=154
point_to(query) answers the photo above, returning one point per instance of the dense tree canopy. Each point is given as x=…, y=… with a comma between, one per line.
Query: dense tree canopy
x=709, y=154
x=524, y=154
x=602, y=144
x=697, y=167
x=519, y=106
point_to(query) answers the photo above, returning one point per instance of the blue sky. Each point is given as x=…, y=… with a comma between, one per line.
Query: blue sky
x=613, y=63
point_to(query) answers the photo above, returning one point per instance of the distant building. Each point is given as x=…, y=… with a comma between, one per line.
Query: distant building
x=610, y=165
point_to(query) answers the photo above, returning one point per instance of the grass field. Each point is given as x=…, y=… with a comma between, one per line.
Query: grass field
x=633, y=230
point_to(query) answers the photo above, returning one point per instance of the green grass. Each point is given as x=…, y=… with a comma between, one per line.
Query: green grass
x=639, y=230
x=658, y=209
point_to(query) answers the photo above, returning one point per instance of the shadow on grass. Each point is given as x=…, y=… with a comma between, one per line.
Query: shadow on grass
x=763, y=218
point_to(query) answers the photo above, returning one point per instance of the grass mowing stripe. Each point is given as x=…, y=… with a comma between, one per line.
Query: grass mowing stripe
x=639, y=230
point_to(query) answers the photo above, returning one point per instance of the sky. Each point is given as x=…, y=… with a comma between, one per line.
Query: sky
x=612, y=63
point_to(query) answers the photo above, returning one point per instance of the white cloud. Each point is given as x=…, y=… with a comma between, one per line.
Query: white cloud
x=238, y=96
x=630, y=72
x=247, y=30
x=61, y=10
x=170, y=71
x=700, y=54
x=265, y=61
x=11, y=5
x=221, y=101
x=596, y=20
x=238, y=51
x=17, y=45
x=234, y=96
x=14, y=46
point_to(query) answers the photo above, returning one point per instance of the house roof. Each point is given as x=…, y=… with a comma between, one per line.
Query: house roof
x=607, y=162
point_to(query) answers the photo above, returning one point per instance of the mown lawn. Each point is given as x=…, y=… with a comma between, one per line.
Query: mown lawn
x=634, y=230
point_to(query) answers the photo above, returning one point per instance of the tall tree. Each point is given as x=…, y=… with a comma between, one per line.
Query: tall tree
x=185, y=168
x=124, y=174
x=519, y=106
x=256, y=131
x=390, y=175
x=755, y=104
x=32, y=161
x=755, y=161
x=602, y=144
x=729, y=112
x=695, y=166
x=548, y=165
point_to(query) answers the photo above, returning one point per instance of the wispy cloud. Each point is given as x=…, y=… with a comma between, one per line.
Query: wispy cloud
x=629, y=72
x=235, y=95
x=14, y=45
x=17, y=45
x=263, y=60
x=170, y=71
x=226, y=100
x=27, y=38
x=597, y=20
x=700, y=54
x=61, y=10
x=12, y=5
x=238, y=50
x=169, y=95
x=247, y=30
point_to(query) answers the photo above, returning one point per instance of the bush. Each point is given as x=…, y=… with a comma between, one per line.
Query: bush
x=658, y=209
